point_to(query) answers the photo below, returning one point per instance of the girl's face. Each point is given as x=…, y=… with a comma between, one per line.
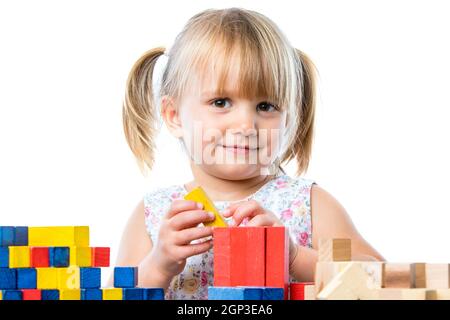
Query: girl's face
x=228, y=136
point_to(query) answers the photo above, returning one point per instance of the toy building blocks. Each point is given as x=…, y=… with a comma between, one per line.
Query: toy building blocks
x=58, y=236
x=100, y=256
x=125, y=277
x=59, y=257
x=26, y=278
x=335, y=250
x=90, y=278
x=39, y=257
x=302, y=291
x=199, y=195
x=19, y=257
x=398, y=275
x=80, y=256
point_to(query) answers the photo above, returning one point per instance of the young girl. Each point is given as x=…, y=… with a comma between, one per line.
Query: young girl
x=233, y=87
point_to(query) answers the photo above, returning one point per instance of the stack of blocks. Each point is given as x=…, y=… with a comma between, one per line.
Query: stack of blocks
x=52, y=263
x=339, y=278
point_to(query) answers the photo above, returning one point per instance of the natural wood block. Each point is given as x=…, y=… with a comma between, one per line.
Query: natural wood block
x=398, y=275
x=302, y=291
x=437, y=276
x=335, y=250
x=439, y=294
x=199, y=195
x=58, y=236
x=418, y=274
x=19, y=257
x=402, y=294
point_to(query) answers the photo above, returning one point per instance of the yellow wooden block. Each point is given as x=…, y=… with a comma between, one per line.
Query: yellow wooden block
x=199, y=195
x=47, y=278
x=70, y=294
x=58, y=236
x=81, y=256
x=19, y=257
x=1, y=298
x=69, y=278
x=112, y=294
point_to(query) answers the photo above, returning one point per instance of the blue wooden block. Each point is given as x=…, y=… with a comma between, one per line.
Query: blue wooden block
x=8, y=278
x=91, y=294
x=4, y=257
x=153, y=294
x=273, y=293
x=133, y=294
x=125, y=277
x=59, y=257
x=90, y=278
x=12, y=295
x=21, y=236
x=26, y=278
x=235, y=293
x=49, y=294
x=6, y=236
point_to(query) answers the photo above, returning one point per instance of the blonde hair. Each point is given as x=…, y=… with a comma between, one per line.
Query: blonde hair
x=271, y=68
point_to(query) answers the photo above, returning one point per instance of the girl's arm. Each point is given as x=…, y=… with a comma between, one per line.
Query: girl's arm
x=329, y=220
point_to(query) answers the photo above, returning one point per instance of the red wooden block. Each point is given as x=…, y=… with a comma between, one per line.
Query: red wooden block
x=100, y=256
x=277, y=258
x=298, y=290
x=31, y=294
x=222, y=257
x=248, y=256
x=39, y=257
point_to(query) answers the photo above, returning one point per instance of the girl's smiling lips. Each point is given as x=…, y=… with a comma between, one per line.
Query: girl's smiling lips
x=238, y=149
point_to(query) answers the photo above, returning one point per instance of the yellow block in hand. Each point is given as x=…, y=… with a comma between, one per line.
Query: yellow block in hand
x=47, y=278
x=58, y=236
x=112, y=294
x=19, y=257
x=69, y=278
x=70, y=294
x=199, y=195
x=81, y=256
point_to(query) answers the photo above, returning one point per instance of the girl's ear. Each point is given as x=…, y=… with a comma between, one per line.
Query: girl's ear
x=170, y=115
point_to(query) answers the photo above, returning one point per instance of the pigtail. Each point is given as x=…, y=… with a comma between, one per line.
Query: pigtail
x=139, y=112
x=301, y=146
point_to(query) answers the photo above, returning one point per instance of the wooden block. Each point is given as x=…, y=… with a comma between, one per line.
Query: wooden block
x=398, y=275
x=31, y=294
x=91, y=294
x=1, y=295
x=4, y=257
x=326, y=271
x=248, y=256
x=277, y=258
x=26, y=278
x=7, y=236
x=49, y=294
x=19, y=257
x=125, y=277
x=12, y=295
x=418, y=274
x=153, y=294
x=59, y=257
x=310, y=292
x=100, y=257
x=21, y=236
x=112, y=294
x=39, y=257
x=297, y=290
x=335, y=250
x=69, y=278
x=47, y=278
x=133, y=294
x=234, y=293
x=350, y=284
x=401, y=294
x=90, y=278
x=439, y=294
x=199, y=195
x=437, y=276
x=8, y=279
x=70, y=294
x=81, y=256
x=58, y=236
x=222, y=256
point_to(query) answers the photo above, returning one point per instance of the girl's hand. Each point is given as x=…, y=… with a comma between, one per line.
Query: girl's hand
x=179, y=227
x=253, y=214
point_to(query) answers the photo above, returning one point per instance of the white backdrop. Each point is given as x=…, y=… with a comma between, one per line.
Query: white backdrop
x=382, y=121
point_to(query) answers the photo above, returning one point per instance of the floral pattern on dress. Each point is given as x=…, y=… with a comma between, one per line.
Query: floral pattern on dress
x=288, y=198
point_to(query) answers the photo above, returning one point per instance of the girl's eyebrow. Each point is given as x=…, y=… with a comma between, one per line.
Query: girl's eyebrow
x=215, y=93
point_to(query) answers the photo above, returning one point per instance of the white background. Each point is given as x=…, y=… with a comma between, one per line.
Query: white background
x=382, y=128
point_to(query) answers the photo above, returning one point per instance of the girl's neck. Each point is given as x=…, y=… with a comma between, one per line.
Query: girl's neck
x=220, y=189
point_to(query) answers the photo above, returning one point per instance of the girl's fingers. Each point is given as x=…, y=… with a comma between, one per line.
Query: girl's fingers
x=260, y=220
x=178, y=206
x=247, y=210
x=185, y=236
x=188, y=219
x=228, y=212
x=194, y=249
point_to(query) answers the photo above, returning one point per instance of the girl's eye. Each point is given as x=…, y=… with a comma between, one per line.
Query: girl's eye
x=265, y=106
x=220, y=103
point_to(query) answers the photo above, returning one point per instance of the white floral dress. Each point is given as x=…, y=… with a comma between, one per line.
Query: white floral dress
x=286, y=197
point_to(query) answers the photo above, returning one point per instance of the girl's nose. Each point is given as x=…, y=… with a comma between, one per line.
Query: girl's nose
x=245, y=122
